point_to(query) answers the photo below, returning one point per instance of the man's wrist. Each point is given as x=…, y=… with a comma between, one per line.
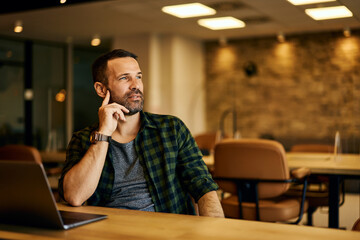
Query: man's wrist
x=98, y=136
x=104, y=131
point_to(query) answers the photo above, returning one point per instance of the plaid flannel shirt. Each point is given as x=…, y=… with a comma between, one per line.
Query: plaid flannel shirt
x=172, y=162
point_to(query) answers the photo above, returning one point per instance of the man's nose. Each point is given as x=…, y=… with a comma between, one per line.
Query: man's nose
x=135, y=83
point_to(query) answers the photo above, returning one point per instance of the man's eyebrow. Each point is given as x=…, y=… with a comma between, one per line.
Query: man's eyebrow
x=127, y=74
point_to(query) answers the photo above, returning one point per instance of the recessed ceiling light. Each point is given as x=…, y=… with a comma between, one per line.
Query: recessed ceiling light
x=304, y=2
x=221, y=23
x=188, y=10
x=329, y=12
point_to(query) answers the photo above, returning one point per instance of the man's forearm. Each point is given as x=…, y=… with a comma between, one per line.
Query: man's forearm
x=209, y=205
x=82, y=179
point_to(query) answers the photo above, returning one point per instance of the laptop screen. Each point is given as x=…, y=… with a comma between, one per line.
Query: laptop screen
x=27, y=199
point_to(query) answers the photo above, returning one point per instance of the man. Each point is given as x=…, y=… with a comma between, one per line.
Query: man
x=134, y=159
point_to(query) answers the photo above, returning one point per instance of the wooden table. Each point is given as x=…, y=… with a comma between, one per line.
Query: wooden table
x=53, y=157
x=53, y=162
x=324, y=163
x=342, y=167
x=131, y=224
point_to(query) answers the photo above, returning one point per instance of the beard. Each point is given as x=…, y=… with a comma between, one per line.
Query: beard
x=132, y=106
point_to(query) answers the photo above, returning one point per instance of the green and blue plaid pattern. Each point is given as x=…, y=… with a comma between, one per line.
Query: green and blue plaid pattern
x=172, y=162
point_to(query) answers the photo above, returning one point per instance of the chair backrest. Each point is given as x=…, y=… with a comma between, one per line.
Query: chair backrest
x=252, y=159
x=356, y=226
x=20, y=152
x=320, y=148
x=206, y=140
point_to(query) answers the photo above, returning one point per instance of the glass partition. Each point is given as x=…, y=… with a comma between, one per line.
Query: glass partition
x=49, y=96
x=11, y=92
x=86, y=102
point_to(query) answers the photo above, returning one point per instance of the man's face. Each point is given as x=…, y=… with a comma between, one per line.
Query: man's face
x=125, y=84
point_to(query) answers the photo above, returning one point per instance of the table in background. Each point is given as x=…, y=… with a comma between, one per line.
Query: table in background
x=344, y=166
x=53, y=156
x=131, y=224
x=53, y=162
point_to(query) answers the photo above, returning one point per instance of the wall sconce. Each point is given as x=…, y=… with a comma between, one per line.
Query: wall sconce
x=281, y=37
x=62, y=1
x=28, y=94
x=347, y=32
x=223, y=41
x=18, y=28
x=60, y=96
x=95, y=41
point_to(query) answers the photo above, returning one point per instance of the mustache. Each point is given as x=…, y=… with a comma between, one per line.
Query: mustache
x=135, y=91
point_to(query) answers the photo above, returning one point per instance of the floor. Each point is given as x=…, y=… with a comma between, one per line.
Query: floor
x=349, y=213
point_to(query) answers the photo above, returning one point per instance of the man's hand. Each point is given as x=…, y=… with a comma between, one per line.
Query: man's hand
x=109, y=115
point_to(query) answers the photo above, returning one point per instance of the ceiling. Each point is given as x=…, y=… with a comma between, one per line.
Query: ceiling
x=80, y=20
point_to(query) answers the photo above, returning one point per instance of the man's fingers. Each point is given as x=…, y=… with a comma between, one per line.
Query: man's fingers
x=106, y=99
x=119, y=116
x=117, y=111
x=116, y=116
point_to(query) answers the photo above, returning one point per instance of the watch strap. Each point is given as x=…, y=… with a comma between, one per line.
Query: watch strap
x=96, y=136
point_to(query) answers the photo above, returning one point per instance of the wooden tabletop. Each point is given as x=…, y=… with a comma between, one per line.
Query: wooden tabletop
x=131, y=224
x=320, y=163
x=53, y=156
x=323, y=163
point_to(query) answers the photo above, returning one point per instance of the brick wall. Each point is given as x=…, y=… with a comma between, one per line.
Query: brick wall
x=304, y=90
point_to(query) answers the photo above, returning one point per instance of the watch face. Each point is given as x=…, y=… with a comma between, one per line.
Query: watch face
x=93, y=137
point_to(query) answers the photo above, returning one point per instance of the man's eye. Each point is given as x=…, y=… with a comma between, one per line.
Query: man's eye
x=139, y=77
x=123, y=78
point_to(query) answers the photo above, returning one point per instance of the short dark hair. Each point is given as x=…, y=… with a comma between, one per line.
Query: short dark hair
x=99, y=66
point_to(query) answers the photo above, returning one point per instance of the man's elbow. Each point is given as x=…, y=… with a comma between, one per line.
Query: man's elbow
x=209, y=205
x=73, y=200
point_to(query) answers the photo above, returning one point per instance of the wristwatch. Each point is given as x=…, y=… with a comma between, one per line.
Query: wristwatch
x=96, y=136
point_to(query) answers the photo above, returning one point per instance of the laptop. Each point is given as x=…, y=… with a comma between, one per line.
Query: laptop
x=26, y=199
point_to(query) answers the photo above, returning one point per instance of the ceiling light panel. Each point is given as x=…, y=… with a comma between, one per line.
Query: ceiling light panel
x=221, y=23
x=329, y=12
x=188, y=10
x=304, y=2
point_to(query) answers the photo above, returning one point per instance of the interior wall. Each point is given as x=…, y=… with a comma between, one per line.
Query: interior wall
x=188, y=88
x=304, y=90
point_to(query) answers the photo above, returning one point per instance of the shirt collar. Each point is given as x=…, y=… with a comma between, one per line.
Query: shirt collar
x=146, y=121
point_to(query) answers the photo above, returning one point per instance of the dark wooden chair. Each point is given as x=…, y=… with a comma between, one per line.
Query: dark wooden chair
x=20, y=152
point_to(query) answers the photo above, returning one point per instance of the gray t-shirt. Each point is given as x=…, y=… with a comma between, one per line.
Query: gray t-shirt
x=130, y=190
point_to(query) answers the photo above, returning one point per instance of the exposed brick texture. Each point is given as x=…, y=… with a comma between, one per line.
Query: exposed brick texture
x=304, y=90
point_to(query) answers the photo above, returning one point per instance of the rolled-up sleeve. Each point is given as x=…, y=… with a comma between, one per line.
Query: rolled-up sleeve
x=192, y=168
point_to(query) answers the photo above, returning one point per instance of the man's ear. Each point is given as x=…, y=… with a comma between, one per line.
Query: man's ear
x=100, y=89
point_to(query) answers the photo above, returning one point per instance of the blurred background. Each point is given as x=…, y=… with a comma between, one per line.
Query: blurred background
x=283, y=76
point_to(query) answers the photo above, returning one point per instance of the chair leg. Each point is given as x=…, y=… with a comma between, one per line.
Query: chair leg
x=310, y=212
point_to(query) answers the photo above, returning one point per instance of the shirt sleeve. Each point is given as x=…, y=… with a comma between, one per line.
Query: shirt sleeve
x=192, y=168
